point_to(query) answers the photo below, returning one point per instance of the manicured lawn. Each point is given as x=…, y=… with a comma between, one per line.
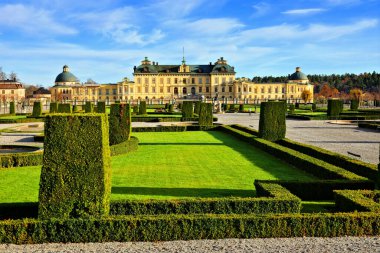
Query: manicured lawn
x=13, y=117
x=194, y=164
x=172, y=165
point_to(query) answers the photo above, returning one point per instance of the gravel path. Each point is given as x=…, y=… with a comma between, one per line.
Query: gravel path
x=307, y=244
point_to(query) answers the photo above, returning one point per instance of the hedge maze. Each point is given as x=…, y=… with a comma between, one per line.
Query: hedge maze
x=75, y=187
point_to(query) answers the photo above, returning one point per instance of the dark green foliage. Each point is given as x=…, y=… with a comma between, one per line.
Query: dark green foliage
x=355, y=166
x=187, y=109
x=334, y=107
x=101, y=107
x=37, y=109
x=160, y=129
x=297, y=106
x=135, y=109
x=319, y=189
x=166, y=106
x=20, y=159
x=180, y=106
x=292, y=107
x=197, y=106
x=12, y=109
x=304, y=162
x=53, y=107
x=75, y=108
x=313, y=107
x=188, y=227
x=224, y=107
x=171, y=108
x=142, y=108
x=241, y=108
x=76, y=174
x=272, y=124
x=125, y=147
x=64, y=108
x=89, y=107
x=120, y=123
x=205, y=115
x=359, y=200
x=354, y=104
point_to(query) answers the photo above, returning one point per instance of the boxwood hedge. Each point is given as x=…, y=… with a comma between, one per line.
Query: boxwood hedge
x=125, y=147
x=53, y=107
x=272, y=124
x=359, y=200
x=205, y=115
x=37, y=109
x=65, y=108
x=119, y=123
x=12, y=108
x=142, y=108
x=101, y=107
x=334, y=107
x=76, y=174
x=187, y=109
x=88, y=107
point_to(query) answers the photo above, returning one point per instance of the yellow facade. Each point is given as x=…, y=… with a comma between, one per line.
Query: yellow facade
x=167, y=82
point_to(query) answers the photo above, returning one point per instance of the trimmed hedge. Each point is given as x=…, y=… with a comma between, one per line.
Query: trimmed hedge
x=101, y=107
x=65, y=108
x=272, y=125
x=304, y=162
x=319, y=189
x=241, y=108
x=354, y=104
x=187, y=109
x=142, y=108
x=12, y=108
x=89, y=107
x=125, y=147
x=76, y=174
x=313, y=107
x=21, y=159
x=171, y=108
x=197, y=107
x=120, y=121
x=160, y=129
x=360, y=200
x=334, y=107
x=205, y=115
x=75, y=108
x=188, y=227
x=37, y=109
x=355, y=166
x=53, y=107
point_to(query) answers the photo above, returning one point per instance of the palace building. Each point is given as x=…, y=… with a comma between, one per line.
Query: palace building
x=153, y=81
x=11, y=90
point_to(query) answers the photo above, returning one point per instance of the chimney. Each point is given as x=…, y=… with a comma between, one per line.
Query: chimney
x=210, y=63
x=134, y=69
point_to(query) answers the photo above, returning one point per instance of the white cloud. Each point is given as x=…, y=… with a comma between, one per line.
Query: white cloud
x=32, y=21
x=171, y=9
x=132, y=36
x=303, y=11
x=261, y=9
x=208, y=26
x=316, y=32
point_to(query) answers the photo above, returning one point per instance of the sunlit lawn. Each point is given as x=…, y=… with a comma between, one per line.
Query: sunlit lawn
x=173, y=165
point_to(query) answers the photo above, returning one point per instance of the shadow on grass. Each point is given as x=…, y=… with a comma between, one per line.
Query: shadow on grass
x=180, y=144
x=184, y=192
x=261, y=158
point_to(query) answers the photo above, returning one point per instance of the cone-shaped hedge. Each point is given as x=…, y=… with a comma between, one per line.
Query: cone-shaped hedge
x=89, y=107
x=272, y=124
x=53, y=107
x=12, y=109
x=354, y=104
x=65, y=108
x=120, y=123
x=101, y=107
x=142, y=108
x=171, y=108
x=187, y=109
x=37, y=109
x=334, y=107
x=205, y=114
x=76, y=174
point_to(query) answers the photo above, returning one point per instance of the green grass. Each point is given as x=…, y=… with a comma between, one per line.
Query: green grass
x=317, y=206
x=173, y=165
x=13, y=117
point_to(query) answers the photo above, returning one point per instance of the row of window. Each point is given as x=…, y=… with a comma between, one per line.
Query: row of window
x=3, y=91
x=184, y=80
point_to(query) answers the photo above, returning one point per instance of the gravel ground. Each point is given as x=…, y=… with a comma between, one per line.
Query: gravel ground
x=307, y=244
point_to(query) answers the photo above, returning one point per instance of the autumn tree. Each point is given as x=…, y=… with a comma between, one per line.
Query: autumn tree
x=356, y=93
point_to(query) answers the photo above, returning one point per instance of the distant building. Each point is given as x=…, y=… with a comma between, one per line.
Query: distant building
x=41, y=94
x=153, y=81
x=11, y=90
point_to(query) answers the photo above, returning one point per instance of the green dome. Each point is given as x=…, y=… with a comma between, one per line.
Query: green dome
x=66, y=76
x=298, y=75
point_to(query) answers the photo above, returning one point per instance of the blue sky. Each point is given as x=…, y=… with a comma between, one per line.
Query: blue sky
x=104, y=39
